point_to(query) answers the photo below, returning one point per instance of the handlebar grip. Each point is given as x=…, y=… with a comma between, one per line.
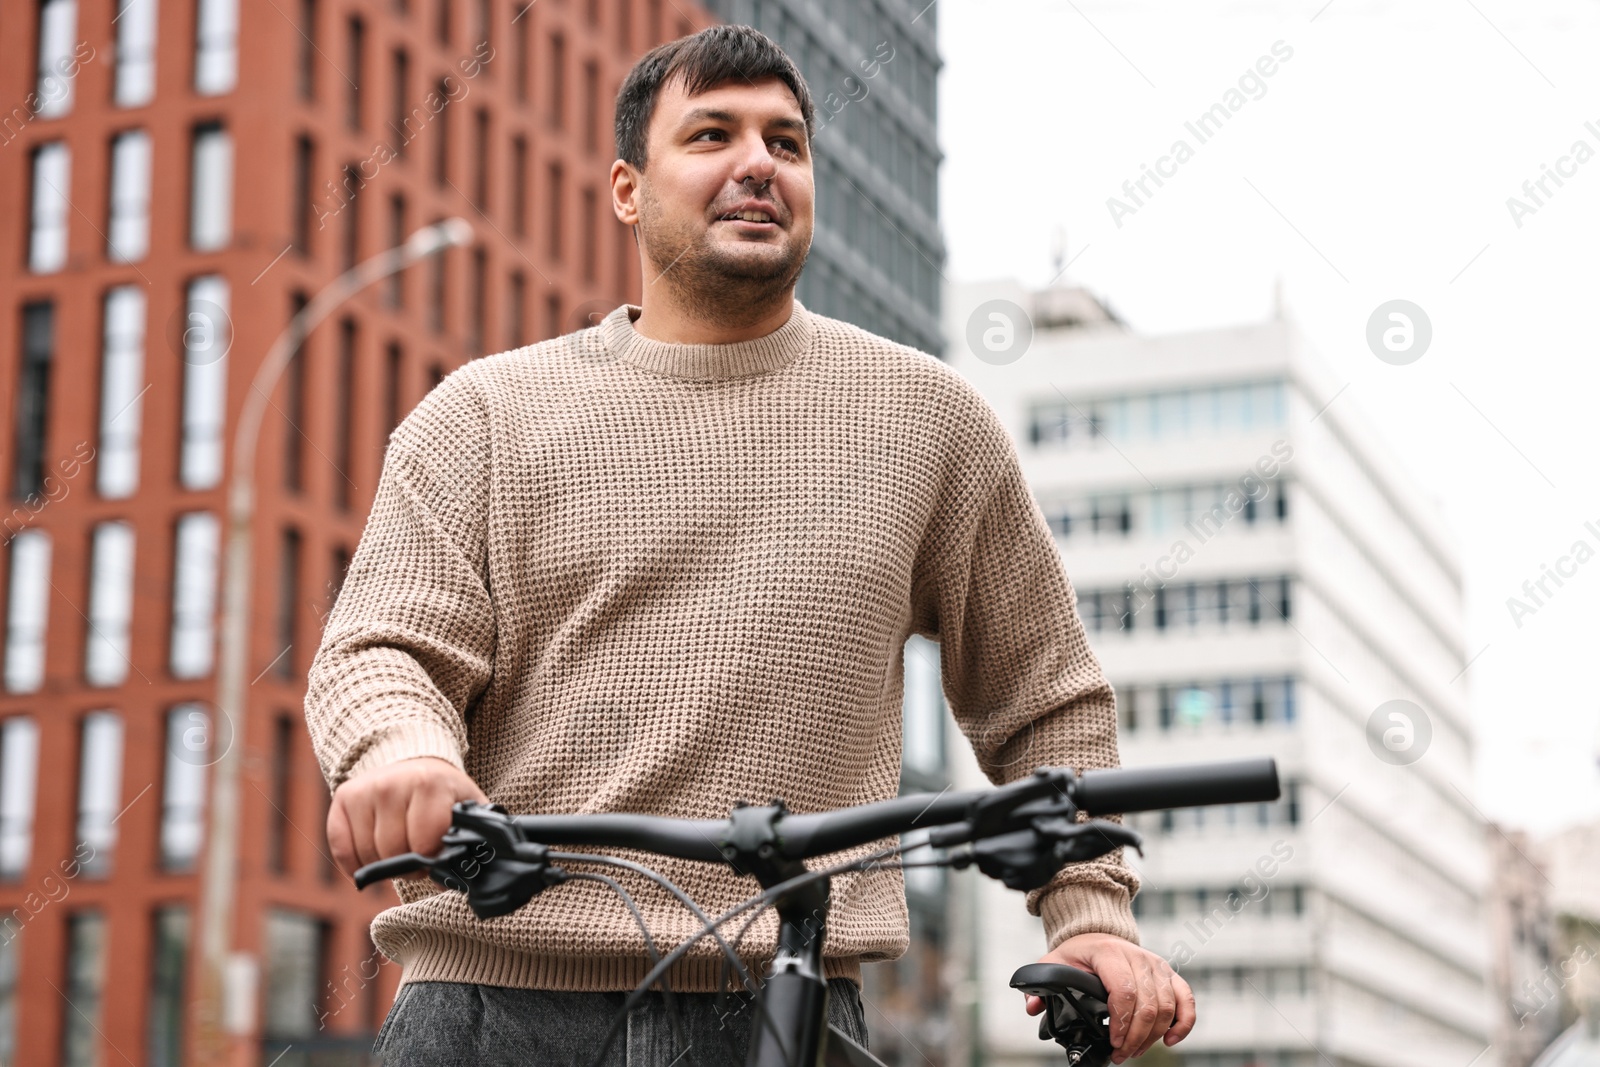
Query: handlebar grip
x=393, y=867
x=1188, y=785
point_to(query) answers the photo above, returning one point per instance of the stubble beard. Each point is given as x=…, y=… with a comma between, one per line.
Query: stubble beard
x=709, y=284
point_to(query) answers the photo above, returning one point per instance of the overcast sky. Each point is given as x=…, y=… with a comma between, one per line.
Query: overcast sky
x=1375, y=163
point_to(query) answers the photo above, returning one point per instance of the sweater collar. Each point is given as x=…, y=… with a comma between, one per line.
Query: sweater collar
x=738, y=359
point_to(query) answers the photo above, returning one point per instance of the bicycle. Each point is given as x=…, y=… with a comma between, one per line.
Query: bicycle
x=1020, y=834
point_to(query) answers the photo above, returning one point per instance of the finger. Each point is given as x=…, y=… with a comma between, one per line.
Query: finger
x=341, y=844
x=1142, y=1020
x=1123, y=988
x=1033, y=1004
x=427, y=819
x=1184, y=1021
x=1166, y=1002
x=358, y=810
x=389, y=827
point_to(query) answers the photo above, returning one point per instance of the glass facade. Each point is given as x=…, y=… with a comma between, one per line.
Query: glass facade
x=1162, y=416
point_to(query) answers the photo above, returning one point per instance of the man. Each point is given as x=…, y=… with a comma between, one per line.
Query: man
x=669, y=563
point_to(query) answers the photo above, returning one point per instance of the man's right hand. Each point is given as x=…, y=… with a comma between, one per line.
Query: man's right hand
x=404, y=807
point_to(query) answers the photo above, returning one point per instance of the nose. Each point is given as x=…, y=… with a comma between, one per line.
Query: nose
x=757, y=165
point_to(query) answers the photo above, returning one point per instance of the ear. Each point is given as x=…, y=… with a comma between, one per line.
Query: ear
x=625, y=192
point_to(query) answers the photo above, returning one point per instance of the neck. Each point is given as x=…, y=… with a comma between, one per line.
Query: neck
x=666, y=316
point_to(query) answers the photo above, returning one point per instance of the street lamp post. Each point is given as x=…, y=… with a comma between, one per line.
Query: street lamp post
x=222, y=846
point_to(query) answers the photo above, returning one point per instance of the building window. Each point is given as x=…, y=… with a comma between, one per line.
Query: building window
x=282, y=754
x=480, y=160
x=519, y=186
x=484, y=30
x=436, y=289
x=128, y=235
x=1228, y=702
x=85, y=979
x=552, y=315
x=524, y=61
x=517, y=310
x=356, y=77
x=183, y=786
x=136, y=52
x=99, y=788
x=27, y=611
x=352, y=216
x=306, y=50
x=558, y=80
x=1165, y=415
x=394, y=364
x=216, y=55
x=294, y=414
x=446, y=17
x=294, y=951
x=344, y=408
x=33, y=399
x=194, y=595
x=591, y=236
x=211, y=188
x=19, y=775
x=288, y=603
x=441, y=138
x=394, y=295
x=111, y=562
x=625, y=26
x=207, y=336
x=300, y=210
x=557, y=208
x=401, y=65
x=480, y=301
x=1184, y=605
x=58, y=31
x=52, y=185
x=169, y=961
x=591, y=106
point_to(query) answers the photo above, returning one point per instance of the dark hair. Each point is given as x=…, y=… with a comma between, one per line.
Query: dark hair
x=704, y=61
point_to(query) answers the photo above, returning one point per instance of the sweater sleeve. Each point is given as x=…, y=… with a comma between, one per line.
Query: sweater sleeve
x=1021, y=680
x=409, y=644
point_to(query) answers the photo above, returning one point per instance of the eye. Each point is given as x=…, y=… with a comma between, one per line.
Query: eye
x=788, y=145
x=702, y=133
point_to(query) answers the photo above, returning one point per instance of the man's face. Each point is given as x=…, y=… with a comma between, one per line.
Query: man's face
x=739, y=148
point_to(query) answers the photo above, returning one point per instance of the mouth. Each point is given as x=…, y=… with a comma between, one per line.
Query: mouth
x=750, y=219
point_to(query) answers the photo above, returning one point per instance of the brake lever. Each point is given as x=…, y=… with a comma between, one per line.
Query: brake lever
x=484, y=855
x=1028, y=859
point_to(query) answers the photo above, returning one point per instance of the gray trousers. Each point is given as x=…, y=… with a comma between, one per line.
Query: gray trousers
x=448, y=1024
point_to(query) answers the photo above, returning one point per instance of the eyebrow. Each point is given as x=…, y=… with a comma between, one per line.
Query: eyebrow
x=701, y=114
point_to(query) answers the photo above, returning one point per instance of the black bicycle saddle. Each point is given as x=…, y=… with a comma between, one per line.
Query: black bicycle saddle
x=1075, y=1010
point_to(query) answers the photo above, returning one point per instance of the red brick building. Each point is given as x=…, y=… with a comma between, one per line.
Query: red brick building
x=175, y=187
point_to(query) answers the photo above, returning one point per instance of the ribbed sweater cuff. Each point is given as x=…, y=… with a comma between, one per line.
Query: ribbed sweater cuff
x=408, y=739
x=1086, y=909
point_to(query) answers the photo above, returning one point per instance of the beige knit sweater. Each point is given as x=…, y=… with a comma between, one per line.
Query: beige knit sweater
x=610, y=574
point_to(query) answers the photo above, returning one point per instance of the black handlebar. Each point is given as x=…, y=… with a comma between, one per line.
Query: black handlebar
x=1021, y=833
x=1190, y=785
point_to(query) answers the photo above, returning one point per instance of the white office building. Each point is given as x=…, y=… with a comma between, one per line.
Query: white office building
x=1257, y=577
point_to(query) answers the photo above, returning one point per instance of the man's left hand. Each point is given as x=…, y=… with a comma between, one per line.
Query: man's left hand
x=1149, y=1001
